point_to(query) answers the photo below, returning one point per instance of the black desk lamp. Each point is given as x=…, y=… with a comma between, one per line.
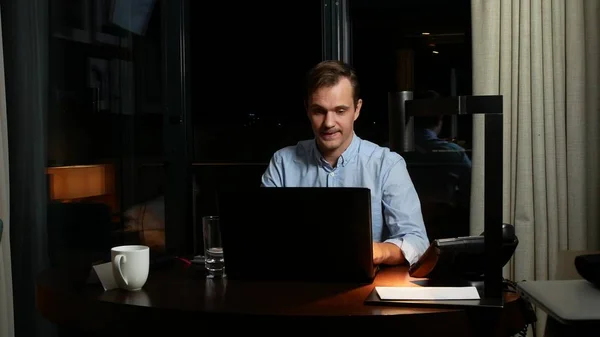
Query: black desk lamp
x=491, y=107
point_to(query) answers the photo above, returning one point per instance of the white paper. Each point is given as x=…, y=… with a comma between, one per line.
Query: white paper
x=427, y=293
x=105, y=274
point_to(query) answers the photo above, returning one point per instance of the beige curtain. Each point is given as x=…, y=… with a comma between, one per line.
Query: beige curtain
x=6, y=299
x=543, y=57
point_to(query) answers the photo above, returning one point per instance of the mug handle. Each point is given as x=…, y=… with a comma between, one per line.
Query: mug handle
x=120, y=258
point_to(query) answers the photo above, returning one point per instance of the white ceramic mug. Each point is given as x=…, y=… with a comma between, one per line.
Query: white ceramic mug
x=130, y=266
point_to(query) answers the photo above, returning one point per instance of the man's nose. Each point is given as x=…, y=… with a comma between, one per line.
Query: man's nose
x=329, y=119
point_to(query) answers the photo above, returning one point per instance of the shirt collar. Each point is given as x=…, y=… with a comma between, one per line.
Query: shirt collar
x=346, y=156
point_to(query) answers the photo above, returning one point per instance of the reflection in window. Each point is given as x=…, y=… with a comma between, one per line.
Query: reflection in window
x=105, y=127
x=416, y=46
x=423, y=47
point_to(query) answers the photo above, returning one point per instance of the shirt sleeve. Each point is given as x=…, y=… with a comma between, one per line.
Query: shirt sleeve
x=402, y=213
x=273, y=175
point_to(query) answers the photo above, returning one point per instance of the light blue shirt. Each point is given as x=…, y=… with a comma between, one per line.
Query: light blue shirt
x=363, y=164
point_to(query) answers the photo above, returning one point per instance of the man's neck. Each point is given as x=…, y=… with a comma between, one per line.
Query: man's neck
x=332, y=159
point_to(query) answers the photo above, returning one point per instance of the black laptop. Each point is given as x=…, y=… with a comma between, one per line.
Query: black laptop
x=298, y=234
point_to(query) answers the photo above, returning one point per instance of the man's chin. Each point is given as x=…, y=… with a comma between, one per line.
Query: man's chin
x=328, y=145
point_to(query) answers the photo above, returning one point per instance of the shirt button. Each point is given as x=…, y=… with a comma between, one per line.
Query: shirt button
x=332, y=174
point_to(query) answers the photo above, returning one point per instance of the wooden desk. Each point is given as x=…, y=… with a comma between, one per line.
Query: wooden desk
x=177, y=299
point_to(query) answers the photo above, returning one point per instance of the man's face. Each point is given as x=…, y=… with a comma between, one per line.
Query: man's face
x=332, y=113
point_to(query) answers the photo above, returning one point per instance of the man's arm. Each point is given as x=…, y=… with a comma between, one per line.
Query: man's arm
x=387, y=253
x=273, y=175
x=402, y=213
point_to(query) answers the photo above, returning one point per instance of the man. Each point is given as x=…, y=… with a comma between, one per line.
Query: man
x=445, y=187
x=427, y=130
x=337, y=157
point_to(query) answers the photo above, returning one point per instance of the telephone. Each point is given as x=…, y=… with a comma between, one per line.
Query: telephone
x=462, y=257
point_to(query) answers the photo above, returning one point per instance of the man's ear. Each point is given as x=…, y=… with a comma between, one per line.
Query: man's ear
x=357, y=109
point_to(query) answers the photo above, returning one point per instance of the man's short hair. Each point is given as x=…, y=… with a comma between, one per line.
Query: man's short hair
x=329, y=73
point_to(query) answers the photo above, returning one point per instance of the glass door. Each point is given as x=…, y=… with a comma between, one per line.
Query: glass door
x=106, y=180
x=248, y=63
x=417, y=50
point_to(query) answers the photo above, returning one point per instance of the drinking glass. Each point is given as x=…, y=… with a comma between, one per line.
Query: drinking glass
x=213, y=247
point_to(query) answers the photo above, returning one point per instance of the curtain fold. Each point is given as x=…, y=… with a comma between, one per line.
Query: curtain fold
x=592, y=107
x=6, y=290
x=26, y=56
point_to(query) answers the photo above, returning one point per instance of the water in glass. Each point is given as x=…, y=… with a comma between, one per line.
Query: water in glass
x=214, y=262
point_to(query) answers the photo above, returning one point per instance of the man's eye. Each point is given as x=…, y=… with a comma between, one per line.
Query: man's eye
x=341, y=111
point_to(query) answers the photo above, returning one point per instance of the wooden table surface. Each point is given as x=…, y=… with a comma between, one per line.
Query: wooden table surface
x=177, y=298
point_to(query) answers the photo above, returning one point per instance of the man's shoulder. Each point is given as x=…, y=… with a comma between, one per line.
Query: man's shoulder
x=453, y=146
x=379, y=153
x=294, y=152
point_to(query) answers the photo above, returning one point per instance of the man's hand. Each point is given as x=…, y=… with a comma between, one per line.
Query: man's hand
x=387, y=253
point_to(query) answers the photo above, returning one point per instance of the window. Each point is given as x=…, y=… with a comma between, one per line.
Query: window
x=105, y=126
x=248, y=65
x=423, y=47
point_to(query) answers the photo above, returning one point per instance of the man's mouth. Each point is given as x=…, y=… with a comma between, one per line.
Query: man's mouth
x=329, y=135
